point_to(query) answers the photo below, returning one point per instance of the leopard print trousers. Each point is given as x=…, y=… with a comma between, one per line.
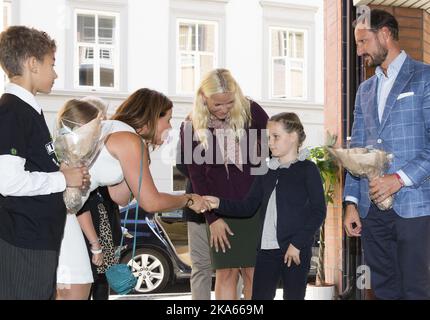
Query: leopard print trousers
x=106, y=241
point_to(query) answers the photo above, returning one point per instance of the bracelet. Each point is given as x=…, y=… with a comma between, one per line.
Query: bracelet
x=190, y=201
x=96, y=251
x=402, y=183
x=94, y=241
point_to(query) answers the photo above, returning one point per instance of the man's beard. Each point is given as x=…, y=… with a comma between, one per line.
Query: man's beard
x=378, y=58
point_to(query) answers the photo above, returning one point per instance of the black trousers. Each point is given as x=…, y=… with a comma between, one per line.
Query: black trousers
x=100, y=288
x=27, y=274
x=270, y=269
x=397, y=252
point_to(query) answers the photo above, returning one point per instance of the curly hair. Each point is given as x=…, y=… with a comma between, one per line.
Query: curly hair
x=18, y=43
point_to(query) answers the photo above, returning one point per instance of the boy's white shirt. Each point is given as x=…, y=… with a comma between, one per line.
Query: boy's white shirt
x=14, y=180
x=24, y=95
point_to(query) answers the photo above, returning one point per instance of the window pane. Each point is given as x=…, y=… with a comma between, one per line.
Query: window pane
x=279, y=77
x=300, y=45
x=296, y=83
x=279, y=43
x=291, y=44
x=107, y=72
x=86, y=28
x=296, y=65
x=106, y=55
x=187, y=72
x=106, y=30
x=187, y=37
x=86, y=66
x=107, y=76
x=6, y=15
x=206, y=64
x=179, y=180
x=207, y=37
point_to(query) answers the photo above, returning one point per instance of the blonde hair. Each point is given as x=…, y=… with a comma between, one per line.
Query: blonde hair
x=76, y=112
x=98, y=103
x=220, y=81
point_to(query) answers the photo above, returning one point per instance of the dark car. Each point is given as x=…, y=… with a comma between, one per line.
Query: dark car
x=161, y=248
x=162, y=255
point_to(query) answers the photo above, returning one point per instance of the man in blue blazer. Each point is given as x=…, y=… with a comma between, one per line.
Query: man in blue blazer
x=392, y=113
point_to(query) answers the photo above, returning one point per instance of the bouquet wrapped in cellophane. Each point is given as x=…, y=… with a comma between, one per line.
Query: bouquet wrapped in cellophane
x=78, y=145
x=365, y=163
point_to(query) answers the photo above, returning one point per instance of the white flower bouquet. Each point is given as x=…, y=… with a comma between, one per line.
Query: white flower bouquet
x=78, y=147
x=365, y=163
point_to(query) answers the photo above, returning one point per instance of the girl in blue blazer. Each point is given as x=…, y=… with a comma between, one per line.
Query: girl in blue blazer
x=290, y=200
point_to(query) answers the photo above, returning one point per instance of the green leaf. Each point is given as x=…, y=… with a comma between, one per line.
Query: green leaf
x=327, y=166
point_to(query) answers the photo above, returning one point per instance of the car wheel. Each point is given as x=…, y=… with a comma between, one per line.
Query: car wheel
x=151, y=269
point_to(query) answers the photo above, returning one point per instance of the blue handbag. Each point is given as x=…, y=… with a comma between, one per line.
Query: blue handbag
x=120, y=276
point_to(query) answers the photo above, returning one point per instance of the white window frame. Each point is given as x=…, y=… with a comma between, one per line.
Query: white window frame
x=303, y=17
x=197, y=54
x=288, y=61
x=7, y=4
x=96, y=47
x=203, y=10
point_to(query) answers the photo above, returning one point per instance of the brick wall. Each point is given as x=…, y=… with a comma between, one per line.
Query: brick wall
x=333, y=124
x=414, y=25
x=426, y=37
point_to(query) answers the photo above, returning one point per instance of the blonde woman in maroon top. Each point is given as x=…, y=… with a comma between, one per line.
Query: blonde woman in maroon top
x=221, y=122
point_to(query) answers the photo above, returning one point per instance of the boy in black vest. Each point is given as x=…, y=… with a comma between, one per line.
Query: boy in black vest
x=32, y=211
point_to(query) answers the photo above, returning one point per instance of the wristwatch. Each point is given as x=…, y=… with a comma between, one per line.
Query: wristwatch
x=190, y=201
x=347, y=202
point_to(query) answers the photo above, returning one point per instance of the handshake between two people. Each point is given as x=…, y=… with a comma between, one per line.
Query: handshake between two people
x=201, y=204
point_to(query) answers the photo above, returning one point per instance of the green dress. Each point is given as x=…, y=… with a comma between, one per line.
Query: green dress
x=243, y=244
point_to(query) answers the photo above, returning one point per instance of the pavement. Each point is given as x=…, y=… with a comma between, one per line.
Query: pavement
x=171, y=296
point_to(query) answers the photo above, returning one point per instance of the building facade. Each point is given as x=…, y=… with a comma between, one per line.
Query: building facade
x=110, y=48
